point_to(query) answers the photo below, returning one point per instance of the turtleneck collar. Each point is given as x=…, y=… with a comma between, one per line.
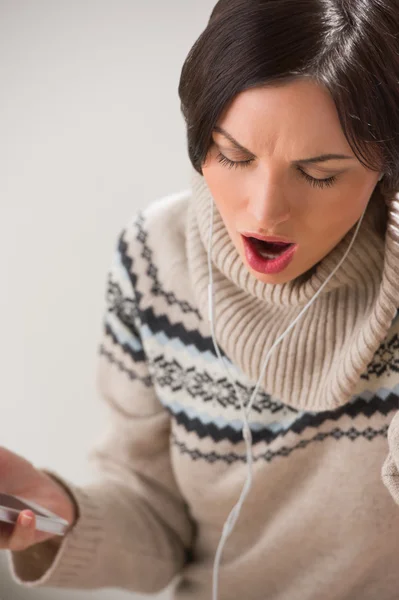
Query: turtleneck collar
x=319, y=363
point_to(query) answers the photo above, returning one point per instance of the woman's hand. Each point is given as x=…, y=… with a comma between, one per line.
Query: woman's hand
x=20, y=478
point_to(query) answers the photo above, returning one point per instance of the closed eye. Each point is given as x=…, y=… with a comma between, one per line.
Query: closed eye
x=320, y=183
x=231, y=164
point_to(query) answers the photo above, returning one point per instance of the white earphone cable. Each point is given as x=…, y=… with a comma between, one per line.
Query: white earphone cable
x=247, y=435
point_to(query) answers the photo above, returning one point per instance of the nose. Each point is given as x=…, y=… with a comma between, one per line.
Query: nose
x=268, y=205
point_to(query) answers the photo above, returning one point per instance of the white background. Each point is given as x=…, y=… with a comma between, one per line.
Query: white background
x=90, y=131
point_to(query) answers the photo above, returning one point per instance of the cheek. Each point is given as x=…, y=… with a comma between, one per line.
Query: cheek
x=226, y=190
x=342, y=203
x=331, y=219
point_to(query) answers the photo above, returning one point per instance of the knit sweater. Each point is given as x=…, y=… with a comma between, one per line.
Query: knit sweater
x=321, y=519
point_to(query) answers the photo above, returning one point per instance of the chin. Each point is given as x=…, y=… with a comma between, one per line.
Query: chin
x=279, y=279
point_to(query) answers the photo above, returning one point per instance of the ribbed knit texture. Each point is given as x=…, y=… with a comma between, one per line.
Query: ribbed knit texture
x=328, y=350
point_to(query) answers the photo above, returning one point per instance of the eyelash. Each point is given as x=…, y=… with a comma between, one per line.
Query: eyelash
x=319, y=183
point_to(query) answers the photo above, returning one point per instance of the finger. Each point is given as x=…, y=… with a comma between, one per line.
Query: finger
x=6, y=530
x=23, y=534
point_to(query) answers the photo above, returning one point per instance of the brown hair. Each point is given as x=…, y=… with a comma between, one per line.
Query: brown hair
x=349, y=46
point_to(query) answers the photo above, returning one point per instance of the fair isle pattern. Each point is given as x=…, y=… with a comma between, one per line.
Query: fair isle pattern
x=386, y=359
x=232, y=457
x=152, y=271
x=191, y=384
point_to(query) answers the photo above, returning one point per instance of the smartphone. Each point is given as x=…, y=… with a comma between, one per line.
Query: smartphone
x=46, y=521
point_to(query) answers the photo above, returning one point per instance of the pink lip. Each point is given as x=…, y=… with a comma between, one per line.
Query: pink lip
x=264, y=238
x=268, y=266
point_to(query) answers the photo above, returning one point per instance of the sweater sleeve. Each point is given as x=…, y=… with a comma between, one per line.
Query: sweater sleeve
x=390, y=469
x=133, y=529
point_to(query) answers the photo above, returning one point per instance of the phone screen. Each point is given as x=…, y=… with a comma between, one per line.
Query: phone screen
x=15, y=504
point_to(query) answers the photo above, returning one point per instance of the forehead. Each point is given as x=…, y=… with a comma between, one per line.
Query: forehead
x=295, y=117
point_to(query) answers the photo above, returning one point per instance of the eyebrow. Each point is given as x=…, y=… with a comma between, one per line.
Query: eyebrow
x=303, y=161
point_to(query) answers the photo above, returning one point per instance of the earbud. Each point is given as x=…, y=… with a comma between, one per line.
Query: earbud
x=381, y=176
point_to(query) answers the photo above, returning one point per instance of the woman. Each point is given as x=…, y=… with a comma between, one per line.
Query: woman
x=292, y=110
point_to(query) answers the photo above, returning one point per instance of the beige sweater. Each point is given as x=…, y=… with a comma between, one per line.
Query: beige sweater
x=321, y=519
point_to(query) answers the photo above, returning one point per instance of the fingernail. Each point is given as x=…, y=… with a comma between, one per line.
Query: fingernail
x=26, y=520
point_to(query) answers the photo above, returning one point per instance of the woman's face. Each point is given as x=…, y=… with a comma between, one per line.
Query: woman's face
x=266, y=172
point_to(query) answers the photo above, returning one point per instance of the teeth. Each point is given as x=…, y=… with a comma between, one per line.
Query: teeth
x=267, y=255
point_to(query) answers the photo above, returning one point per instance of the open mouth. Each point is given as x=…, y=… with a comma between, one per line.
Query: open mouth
x=269, y=250
x=268, y=257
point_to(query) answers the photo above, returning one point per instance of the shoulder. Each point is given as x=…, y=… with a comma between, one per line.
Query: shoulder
x=152, y=249
x=161, y=225
x=169, y=210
